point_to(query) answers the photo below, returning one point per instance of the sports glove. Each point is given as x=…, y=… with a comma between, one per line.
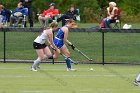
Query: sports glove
x=72, y=46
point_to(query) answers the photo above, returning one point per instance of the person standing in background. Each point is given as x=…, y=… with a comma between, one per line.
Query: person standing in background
x=28, y=4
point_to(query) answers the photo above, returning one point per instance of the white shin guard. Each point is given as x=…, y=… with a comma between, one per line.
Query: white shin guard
x=36, y=63
x=138, y=78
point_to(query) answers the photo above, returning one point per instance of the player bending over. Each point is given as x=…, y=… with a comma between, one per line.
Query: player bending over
x=59, y=40
x=41, y=48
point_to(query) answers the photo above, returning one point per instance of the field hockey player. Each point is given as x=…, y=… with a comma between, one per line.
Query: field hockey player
x=60, y=40
x=41, y=48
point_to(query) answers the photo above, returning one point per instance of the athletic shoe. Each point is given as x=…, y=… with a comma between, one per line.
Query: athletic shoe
x=33, y=69
x=68, y=69
x=137, y=83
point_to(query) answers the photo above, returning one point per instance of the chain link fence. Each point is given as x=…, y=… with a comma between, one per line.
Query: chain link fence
x=103, y=46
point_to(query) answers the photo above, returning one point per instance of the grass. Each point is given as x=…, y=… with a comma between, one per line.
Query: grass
x=17, y=78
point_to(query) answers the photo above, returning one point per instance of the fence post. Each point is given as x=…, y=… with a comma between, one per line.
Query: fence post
x=4, y=41
x=102, y=47
x=53, y=51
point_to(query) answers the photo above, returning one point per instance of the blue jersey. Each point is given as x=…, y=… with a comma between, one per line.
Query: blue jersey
x=59, y=39
x=60, y=34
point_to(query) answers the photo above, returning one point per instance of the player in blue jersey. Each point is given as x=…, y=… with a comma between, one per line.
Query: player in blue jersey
x=60, y=40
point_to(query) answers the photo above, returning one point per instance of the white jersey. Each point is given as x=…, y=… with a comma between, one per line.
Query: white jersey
x=41, y=39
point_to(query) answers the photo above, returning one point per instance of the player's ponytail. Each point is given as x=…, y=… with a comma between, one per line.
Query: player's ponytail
x=70, y=21
x=53, y=24
x=73, y=23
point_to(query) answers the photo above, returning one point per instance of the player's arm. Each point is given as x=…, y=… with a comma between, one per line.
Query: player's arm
x=51, y=40
x=66, y=36
x=66, y=40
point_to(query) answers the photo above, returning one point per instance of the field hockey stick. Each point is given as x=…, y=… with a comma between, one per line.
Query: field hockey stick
x=75, y=62
x=83, y=54
x=74, y=48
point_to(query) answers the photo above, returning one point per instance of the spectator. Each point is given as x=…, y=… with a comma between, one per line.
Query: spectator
x=47, y=15
x=8, y=12
x=2, y=15
x=112, y=12
x=28, y=4
x=17, y=14
x=70, y=14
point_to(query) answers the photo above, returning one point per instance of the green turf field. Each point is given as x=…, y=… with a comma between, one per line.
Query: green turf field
x=17, y=78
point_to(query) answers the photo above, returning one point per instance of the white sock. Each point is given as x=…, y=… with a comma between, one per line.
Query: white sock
x=36, y=63
x=138, y=78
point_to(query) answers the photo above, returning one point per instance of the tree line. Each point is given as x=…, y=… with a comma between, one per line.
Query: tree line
x=90, y=10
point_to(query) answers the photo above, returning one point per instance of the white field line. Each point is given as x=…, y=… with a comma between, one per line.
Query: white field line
x=138, y=89
x=84, y=90
x=80, y=68
x=80, y=76
x=28, y=68
x=14, y=68
x=39, y=91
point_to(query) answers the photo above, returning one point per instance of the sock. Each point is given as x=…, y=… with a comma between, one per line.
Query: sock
x=68, y=63
x=138, y=78
x=36, y=63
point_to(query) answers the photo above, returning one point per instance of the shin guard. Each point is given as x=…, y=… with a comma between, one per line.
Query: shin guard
x=36, y=63
x=68, y=63
x=138, y=78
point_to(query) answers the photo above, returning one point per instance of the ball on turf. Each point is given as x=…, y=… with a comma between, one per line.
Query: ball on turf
x=91, y=69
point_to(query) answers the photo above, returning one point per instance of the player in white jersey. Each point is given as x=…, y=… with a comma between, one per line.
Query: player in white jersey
x=41, y=48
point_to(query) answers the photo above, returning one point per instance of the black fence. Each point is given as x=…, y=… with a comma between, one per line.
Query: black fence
x=104, y=46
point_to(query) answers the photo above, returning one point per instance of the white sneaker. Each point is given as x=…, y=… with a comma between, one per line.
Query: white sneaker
x=33, y=69
x=137, y=83
x=70, y=69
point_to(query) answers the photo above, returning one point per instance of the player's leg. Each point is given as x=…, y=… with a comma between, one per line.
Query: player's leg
x=48, y=52
x=137, y=81
x=66, y=52
x=41, y=56
x=138, y=78
x=56, y=54
x=44, y=54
